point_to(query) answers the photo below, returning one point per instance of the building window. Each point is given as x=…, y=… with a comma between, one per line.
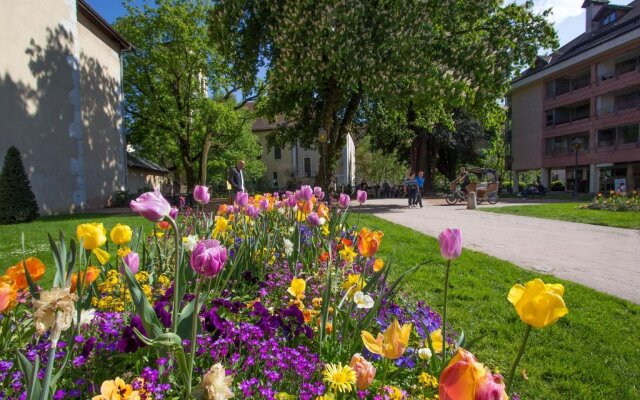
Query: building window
x=626, y=101
x=307, y=167
x=628, y=134
x=275, y=179
x=549, y=119
x=277, y=153
x=626, y=66
x=609, y=19
x=607, y=137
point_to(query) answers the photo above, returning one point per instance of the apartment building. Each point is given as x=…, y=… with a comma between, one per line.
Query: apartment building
x=576, y=115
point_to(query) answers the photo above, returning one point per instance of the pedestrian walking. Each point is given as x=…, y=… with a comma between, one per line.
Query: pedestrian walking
x=411, y=188
x=420, y=181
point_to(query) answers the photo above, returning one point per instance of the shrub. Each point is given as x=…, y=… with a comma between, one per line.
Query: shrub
x=17, y=201
x=616, y=202
x=557, y=186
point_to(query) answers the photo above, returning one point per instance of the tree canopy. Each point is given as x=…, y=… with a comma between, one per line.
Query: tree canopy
x=325, y=59
x=179, y=92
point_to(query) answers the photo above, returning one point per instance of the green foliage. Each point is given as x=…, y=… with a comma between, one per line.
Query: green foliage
x=327, y=58
x=556, y=363
x=17, y=201
x=573, y=212
x=377, y=167
x=179, y=98
x=557, y=186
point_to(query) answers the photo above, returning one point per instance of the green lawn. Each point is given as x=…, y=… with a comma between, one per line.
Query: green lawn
x=37, y=243
x=572, y=212
x=592, y=353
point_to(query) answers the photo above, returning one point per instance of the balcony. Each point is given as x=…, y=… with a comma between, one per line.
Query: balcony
x=561, y=88
x=569, y=114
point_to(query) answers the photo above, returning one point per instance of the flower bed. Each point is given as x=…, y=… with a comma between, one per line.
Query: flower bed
x=616, y=201
x=272, y=298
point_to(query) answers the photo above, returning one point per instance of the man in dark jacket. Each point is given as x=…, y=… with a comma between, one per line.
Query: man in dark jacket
x=236, y=178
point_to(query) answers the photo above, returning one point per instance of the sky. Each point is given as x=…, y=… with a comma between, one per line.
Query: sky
x=567, y=17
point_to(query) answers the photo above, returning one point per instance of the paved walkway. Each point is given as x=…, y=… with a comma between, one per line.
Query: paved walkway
x=606, y=259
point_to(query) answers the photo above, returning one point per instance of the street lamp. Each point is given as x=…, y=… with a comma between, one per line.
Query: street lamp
x=577, y=146
x=323, y=138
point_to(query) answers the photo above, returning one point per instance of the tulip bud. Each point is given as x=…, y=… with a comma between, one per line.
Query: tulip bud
x=450, y=243
x=344, y=200
x=201, y=194
x=424, y=354
x=361, y=196
x=151, y=205
x=208, y=257
x=133, y=262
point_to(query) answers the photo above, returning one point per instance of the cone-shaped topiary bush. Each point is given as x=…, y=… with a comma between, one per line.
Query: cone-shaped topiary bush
x=17, y=201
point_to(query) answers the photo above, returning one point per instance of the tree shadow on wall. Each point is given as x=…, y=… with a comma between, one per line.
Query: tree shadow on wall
x=65, y=121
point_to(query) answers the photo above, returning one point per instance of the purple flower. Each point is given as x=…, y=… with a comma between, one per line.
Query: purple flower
x=241, y=199
x=151, y=205
x=317, y=191
x=201, y=194
x=313, y=219
x=361, y=195
x=253, y=211
x=305, y=193
x=132, y=260
x=173, y=213
x=208, y=257
x=181, y=202
x=450, y=243
x=263, y=203
x=291, y=201
x=129, y=341
x=344, y=200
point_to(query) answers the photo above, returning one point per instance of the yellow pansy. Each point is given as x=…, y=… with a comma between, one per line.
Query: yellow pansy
x=297, y=288
x=347, y=254
x=220, y=226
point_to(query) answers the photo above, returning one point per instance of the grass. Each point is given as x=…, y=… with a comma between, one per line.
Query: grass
x=37, y=242
x=572, y=212
x=592, y=353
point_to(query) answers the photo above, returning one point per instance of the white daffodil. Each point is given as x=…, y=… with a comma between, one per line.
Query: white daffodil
x=86, y=316
x=363, y=300
x=288, y=247
x=190, y=242
x=322, y=221
x=424, y=353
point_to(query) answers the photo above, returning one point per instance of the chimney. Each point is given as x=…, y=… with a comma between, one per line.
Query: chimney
x=592, y=7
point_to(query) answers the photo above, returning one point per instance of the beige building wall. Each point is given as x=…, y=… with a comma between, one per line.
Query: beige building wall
x=59, y=93
x=138, y=179
x=526, y=142
x=283, y=166
x=104, y=144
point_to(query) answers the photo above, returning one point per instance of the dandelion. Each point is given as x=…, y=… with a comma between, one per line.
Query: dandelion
x=339, y=378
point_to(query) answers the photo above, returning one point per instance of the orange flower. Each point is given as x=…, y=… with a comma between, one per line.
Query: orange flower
x=91, y=275
x=347, y=242
x=328, y=328
x=323, y=257
x=34, y=266
x=368, y=242
x=378, y=264
x=164, y=225
x=323, y=211
x=7, y=297
x=466, y=378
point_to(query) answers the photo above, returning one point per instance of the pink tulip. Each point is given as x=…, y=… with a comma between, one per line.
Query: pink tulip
x=305, y=193
x=208, y=257
x=491, y=388
x=133, y=262
x=241, y=199
x=181, y=202
x=361, y=196
x=263, y=203
x=173, y=213
x=317, y=191
x=201, y=194
x=151, y=205
x=365, y=371
x=450, y=243
x=313, y=219
x=291, y=201
x=344, y=200
x=278, y=204
x=253, y=211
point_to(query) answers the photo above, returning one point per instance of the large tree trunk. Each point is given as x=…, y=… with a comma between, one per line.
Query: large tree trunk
x=424, y=150
x=204, y=159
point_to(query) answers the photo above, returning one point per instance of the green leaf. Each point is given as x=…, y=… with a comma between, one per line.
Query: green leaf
x=143, y=308
x=30, y=372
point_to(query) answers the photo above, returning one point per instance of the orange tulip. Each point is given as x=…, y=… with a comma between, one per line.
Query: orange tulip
x=368, y=242
x=7, y=297
x=91, y=275
x=378, y=264
x=323, y=211
x=35, y=267
x=365, y=371
x=467, y=379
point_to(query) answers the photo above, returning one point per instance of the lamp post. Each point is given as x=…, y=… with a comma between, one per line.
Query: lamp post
x=323, y=138
x=577, y=146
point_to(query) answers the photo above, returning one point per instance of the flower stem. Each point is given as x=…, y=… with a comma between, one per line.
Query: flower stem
x=194, y=336
x=444, y=315
x=50, y=361
x=176, y=277
x=517, y=360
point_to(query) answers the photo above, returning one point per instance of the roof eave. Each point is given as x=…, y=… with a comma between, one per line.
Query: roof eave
x=104, y=26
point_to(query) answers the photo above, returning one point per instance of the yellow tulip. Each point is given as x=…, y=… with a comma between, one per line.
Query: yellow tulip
x=538, y=304
x=378, y=264
x=221, y=226
x=354, y=283
x=101, y=255
x=436, y=340
x=297, y=288
x=93, y=235
x=392, y=344
x=121, y=234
